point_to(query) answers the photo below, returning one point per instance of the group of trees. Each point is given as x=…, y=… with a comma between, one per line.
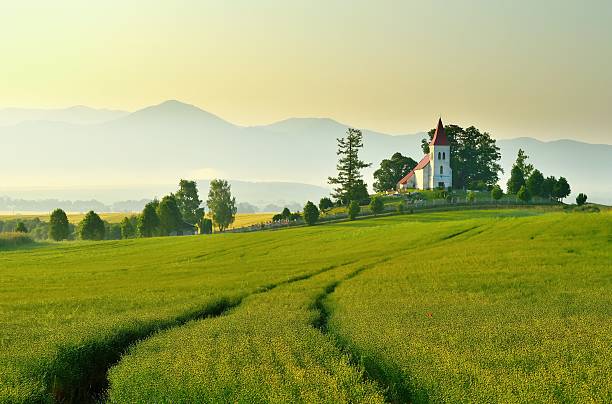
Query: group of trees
x=526, y=182
x=176, y=213
x=474, y=157
x=286, y=215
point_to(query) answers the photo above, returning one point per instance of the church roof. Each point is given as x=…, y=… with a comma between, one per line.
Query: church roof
x=439, y=138
x=422, y=164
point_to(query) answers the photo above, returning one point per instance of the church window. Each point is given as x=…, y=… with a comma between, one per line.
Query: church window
x=439, y=156
x=441, y=169
x=443, y=155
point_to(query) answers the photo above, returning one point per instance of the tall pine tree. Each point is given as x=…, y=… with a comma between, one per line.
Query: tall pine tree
x=350, y=185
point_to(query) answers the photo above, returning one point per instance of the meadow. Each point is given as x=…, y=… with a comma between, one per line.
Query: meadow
x=495, y=305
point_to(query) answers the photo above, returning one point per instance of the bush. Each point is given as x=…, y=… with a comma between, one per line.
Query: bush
x=581, y=199
x=325, y=204
x=353, y=210
x=92, y=227
x=401, y=207
x=21, y=227
x=524, y=194
x=277, y=218
x=377, y=205
x=15, y=239
x=205, y=226
x=311, y=213
x=59, y=229
x=471, y=196
x=497, y=193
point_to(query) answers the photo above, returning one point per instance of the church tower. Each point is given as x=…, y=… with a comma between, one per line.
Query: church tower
x=439, y=155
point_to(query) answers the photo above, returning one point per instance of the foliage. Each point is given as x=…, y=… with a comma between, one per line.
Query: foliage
x=205, y=225
x=535, y=183
x=148, y=221
x=325, y=204
x=516, y=180
x=581, y=199
x=548, y=186
x=286, y=213
x=401, y=207
x=92, y=227
x=170, y=218
x=520, y=173
x=58, y=225
x=311, y=213
x=471, y=196
x=14, y=240
x=377, y=205
x=497, y=193
x=129, y=227
x=188, y=201
x=349, y=181
x=561, y=189
x=112, y=231
x=278, y=217
x=221, y=204
x=474, y=157
x=353, y=210
x=21, y=228
x=391, y=171
x=523, y=194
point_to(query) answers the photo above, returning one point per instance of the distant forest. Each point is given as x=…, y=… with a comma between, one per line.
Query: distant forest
x=8, y=204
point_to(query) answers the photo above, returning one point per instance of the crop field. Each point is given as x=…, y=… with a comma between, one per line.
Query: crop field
x=495, y=305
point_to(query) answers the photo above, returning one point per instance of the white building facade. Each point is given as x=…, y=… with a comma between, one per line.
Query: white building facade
x=434, y=170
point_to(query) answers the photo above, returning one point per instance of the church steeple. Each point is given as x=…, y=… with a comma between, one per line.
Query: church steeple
x=439, y=138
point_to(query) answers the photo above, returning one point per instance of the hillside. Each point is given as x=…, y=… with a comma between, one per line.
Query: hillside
x=159, y=144
x=511, y=296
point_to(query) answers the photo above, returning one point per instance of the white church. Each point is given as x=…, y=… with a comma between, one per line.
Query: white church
x=433, y=171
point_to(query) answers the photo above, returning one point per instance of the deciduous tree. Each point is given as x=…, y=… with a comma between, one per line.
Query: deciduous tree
x=325, y=204
x=188, y=201
x=148, y=221
x=496, y=192
x=474, y=157
x=535, y=183
x=92, y=227
x=391, y=171
x=59, y=229
x=170, y=218
x=221, y=204
x=311, y=213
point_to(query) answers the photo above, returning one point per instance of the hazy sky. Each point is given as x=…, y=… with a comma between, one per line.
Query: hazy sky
x=515, y=68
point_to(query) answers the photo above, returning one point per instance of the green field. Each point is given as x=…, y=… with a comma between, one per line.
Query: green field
x=495, y=305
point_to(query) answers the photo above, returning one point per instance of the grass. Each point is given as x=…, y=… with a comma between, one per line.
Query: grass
x=513, y=311
x=269, y=316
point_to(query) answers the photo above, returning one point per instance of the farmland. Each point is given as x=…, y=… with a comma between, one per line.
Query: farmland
x=496, y=305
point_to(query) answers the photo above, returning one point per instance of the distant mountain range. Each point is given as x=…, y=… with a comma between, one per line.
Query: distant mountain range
x=162, y=143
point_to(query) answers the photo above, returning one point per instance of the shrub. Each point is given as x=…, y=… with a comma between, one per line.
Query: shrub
x=581, y=199
x=92, y=227
x=524, y=194
x=497, y=193
x=277, y=218
x=59, y=229
x=21, y=227
x=377, y=205
x=353, y=210
x=401, y=207
x=471, y=196
x=311, y=213
x=325, y=204
x=16, y=239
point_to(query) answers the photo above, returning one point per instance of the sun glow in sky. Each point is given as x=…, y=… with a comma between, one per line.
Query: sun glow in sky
x=520, y=68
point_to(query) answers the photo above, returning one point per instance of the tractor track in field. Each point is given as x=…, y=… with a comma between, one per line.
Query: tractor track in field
x=86, y=381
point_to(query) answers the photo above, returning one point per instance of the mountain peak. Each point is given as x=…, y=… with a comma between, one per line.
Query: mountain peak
x=175, y=111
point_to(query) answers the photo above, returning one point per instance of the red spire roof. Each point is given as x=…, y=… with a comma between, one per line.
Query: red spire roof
x=439, y=138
